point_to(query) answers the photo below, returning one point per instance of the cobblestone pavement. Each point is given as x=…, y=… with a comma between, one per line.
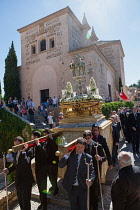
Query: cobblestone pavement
x=35, y=204
x=105, y=187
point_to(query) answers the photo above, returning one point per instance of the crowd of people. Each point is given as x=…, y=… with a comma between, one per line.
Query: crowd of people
x=127, y=122
x=91, y=148
x=26, y=109
x=106, y=99
x=52, y=102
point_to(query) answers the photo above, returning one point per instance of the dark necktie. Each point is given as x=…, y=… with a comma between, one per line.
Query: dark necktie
x=95, y=138
x=74, y=181
x=88, y=148
x=17, y=156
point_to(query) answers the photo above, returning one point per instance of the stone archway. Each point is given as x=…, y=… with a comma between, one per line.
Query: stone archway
x=43, y=78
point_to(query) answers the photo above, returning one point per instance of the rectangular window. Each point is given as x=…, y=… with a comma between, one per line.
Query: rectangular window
x=52, y=43
x=33, y=49
x=43, y=45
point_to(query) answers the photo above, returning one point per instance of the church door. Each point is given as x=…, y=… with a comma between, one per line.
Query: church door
x=44, y=95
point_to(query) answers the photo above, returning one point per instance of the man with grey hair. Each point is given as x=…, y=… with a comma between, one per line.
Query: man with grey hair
x=125, y=190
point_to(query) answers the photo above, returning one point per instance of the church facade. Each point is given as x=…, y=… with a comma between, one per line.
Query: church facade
x=50, y=44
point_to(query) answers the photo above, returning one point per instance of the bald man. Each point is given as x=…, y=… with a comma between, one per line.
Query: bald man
x=125, y=190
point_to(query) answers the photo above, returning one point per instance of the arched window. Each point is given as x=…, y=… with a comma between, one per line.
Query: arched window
x=43, y=45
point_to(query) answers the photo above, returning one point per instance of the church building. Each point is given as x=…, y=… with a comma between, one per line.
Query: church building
x=50, y=44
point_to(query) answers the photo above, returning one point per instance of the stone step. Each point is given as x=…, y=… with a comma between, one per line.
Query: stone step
x=61, y=199
x=53, y=200
x=35, y=203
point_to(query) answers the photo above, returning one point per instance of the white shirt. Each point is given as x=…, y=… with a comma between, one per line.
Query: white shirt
x=32, y=104
x=15, y=101
x=54, y=100
x=50, y=119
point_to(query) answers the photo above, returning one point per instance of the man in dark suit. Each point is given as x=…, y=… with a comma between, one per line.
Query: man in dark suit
x=115, y=135
x=100, y=157
x=75, y=179
x=102, y=141
x=122, y=119
x=135, y=126
x=23, y=177
x=128, y=129
x=52, y=161
x=41, y=169
x=125, y=190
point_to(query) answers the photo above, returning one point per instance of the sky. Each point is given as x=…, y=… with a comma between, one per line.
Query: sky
x=112, y=20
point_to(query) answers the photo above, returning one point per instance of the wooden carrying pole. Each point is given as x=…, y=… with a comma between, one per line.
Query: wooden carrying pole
x=99, y=177
x=63, y=149
x=88, y=188
x=20, y=146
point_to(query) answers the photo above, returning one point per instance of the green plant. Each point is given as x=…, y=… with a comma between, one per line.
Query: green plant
x=10, y=127
x=11, y=177
x=11, y=75
x=114, y=106
x=0, y=91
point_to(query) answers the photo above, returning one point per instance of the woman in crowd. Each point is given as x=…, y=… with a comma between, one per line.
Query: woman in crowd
x=10, y=103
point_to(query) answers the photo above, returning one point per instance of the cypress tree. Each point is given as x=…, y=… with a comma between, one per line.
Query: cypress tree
x=120, y=84
x=0, y=91
x=11, y=75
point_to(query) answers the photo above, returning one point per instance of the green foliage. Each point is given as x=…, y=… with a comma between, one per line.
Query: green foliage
x=114, y=106
x=11, y=76
x=136, y=84
x=11, y=176
x=10, y=127
x=0, y=91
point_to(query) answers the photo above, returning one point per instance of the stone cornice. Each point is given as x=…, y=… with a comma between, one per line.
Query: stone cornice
x=97, y=50
x=50, y=17
x=115, y=42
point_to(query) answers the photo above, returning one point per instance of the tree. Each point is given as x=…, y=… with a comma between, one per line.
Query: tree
x=11, y=75
x=137, y=85
x=0, y=91
x=133, y=85
x=120, y=84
